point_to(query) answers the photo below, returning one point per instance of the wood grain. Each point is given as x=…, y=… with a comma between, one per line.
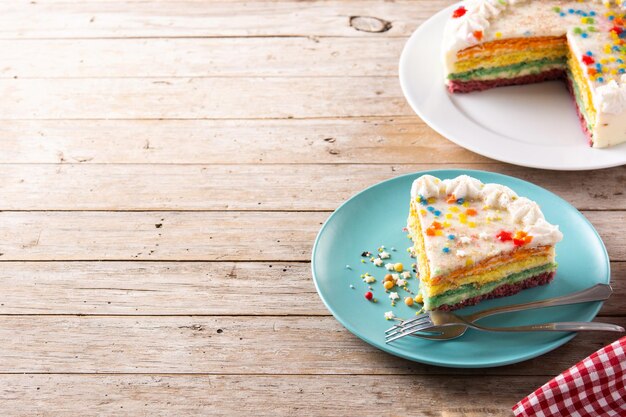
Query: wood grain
x=207, y=236
x=254, y=187
x=159, y=288
x=286, y=395
x=212, y=236
x=229, y=345
x=201, y=98
x=182, y=288
x=193, y=18
x=357, y=140
x=199, y=57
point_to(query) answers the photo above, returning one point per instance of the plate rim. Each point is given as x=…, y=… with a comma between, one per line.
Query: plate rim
x=450, y=364
x=443, y=131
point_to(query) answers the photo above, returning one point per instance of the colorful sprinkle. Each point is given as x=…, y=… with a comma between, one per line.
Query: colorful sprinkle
x=521, y=238
x=504, y=236
x=588, y=60
x=459, y=12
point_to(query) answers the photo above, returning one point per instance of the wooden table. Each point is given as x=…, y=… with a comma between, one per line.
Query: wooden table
x=165, y=167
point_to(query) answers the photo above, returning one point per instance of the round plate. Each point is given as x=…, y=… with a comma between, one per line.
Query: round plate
x=531, y=125
x=376, y=217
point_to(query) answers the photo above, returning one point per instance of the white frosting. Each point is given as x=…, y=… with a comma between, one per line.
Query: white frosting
x=463, y=186
x=525, y=211
x=544, y=233
x=611, y=98
x=490, y=8
x=497, y=196
x=426, y=186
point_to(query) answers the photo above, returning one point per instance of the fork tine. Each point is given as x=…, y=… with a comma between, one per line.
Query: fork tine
x=421, y=328
x=407, y=322
x=399, y=329
x=413, y=326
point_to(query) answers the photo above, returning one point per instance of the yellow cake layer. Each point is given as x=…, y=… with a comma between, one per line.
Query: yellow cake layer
x=583, y=87
x=415, y=229
x=511, y=57
x=495, y=274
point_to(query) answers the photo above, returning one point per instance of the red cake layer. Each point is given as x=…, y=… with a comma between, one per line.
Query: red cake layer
x=502, y=291
x=457, y=86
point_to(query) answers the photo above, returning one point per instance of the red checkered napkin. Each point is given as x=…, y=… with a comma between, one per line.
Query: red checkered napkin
x=594, y=387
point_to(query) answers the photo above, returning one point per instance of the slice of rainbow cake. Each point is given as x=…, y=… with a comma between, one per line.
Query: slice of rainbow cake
x=475, y=241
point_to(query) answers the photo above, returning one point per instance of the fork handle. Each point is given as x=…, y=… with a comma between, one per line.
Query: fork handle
x=566, y=326
x=599, y=292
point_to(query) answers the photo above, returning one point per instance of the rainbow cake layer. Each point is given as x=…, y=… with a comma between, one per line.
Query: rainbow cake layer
x=475, y=241
x=493, y=43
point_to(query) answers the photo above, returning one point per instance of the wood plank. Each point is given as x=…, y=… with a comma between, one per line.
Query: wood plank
x=155, y=288
x=207, y=236
x=358, y=140
x=212, y=236
x=201, y=98
x=154, y=18
x=288, y=395
x=229, y=345
x=200, y=57
x=254, y=187
x=181, y=288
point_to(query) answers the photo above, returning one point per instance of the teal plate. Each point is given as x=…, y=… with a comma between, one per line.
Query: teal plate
x=376, y=217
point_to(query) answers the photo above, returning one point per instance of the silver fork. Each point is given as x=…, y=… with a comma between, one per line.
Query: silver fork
x=450, y=325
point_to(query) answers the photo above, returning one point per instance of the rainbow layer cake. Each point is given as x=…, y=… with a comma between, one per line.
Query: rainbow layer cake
x=492, y=43
x=475, y=241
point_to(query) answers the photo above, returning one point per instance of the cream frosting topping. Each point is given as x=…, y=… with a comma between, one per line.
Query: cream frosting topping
x=497, y=196
x=611, y=98
x=462, y=186
x=525, y=211
x=427, y=186
x=544, y=233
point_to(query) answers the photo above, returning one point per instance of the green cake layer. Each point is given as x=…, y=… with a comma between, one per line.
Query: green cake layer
x=466, y=291
x=511, y=71
x=579, y=103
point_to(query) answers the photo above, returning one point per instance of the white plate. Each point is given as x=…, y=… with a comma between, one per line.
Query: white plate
x=531, y=125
